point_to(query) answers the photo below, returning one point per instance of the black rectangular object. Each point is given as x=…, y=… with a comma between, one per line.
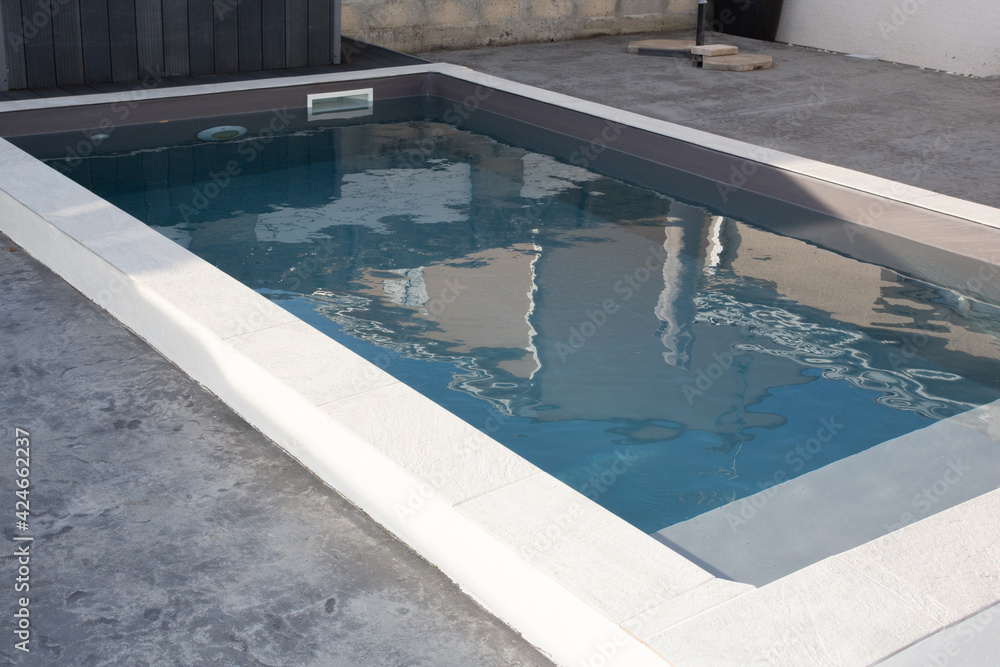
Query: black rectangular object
x=273, y=33
x=201, y=36
x=96, y=41
x=67, y=40
x=251, y=47
x=39, y=56
x=149, y=38
x=176, y=54
x=124, y=54
x=319, y=32
x=12, y=46
x=227, y=36
x=756, y=20
x=296, y=33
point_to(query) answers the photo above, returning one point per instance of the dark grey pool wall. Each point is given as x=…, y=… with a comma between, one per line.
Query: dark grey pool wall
x=75, y=42
x=914, y=241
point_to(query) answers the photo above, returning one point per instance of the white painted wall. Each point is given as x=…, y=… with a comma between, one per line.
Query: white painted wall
x=960, y=36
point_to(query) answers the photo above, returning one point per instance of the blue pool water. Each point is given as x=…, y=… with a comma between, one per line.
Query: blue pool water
x=656, y=356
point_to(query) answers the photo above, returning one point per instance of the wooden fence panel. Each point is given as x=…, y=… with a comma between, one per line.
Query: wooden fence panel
x=176, y=47
x=96, y=41
x=149, y=38
x=48, y=43
x=67, y=42
x=124, y=50
x=39, y=50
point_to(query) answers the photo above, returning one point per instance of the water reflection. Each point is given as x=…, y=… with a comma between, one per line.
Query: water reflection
x=560, y=296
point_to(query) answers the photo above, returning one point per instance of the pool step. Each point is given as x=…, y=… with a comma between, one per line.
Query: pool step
x=719, y=57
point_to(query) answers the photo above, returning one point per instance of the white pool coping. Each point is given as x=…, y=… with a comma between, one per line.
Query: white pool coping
x=576, y=581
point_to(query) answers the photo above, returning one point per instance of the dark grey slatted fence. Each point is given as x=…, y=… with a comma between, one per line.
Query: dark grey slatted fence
x=4, y=74
x=49, y=43
x=68, y=47
x=39, y=51
x=96, y=41
x=273, y=33
x=176, y=54
x=124, y=50
x=251, y=45
x=296, y=33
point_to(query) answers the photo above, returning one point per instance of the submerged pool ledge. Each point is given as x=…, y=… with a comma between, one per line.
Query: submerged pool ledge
x=575, y=580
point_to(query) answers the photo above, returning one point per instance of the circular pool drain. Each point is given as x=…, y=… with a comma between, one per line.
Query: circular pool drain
x=222, y=132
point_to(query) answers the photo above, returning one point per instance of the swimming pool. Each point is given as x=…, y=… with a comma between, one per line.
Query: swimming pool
x=572, y=577
x=658, y=354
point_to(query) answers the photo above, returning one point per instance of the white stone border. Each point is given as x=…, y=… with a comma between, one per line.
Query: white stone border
x=575, y=580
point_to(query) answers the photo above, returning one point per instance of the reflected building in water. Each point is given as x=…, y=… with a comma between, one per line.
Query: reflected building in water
x=561, y=294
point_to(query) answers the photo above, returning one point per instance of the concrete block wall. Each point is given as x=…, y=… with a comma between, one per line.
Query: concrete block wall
x=949, y=35
x=426, y=25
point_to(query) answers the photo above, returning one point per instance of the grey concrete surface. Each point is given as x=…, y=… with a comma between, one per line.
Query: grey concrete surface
x=169, y=532
x=928, y=129
x=972, y=643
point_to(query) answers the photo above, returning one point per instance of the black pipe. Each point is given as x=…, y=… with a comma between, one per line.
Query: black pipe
x=700, y=39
